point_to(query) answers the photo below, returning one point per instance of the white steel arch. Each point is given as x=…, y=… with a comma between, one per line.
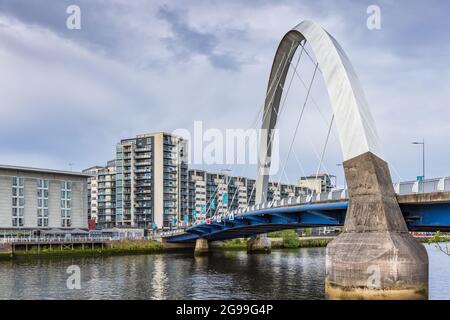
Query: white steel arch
x=354, y=122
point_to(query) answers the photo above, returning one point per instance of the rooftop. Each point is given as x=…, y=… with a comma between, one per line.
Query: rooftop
x=28, y=169
x=319, y=176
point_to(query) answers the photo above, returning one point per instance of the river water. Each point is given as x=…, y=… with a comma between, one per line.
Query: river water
x=284, y=274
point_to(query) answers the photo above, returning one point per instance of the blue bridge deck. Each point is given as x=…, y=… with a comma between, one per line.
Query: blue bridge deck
x=419, y=216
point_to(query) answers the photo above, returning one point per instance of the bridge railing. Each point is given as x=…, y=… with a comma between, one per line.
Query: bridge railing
x=169, y=233
x=426, y=186
x=55, y=240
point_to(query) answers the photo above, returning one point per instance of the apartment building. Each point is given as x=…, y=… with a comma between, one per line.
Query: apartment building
x=217, y=193
x=278, y=191
x=92, y=187
x=320, y=183
x=151, y=181
x=239, y=195
x=34, y=200
x=102, y=194
x=197, y=198
x=149, y=186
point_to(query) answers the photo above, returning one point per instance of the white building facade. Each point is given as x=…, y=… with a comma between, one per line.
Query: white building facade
x=34, y=199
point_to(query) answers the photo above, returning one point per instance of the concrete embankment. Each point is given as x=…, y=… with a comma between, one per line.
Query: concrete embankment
x=125, y=247
x=5, y=250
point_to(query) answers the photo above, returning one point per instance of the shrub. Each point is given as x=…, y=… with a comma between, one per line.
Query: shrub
x=290, y=239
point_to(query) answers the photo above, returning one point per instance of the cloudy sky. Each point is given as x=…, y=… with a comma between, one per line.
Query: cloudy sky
x=68, y=96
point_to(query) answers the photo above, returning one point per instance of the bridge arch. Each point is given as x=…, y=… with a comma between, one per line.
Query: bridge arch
x=375, y=233
x=354, y=122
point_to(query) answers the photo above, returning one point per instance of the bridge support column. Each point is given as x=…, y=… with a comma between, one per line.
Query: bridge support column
x=259, y=244
x=375, y=257
x=201, y=247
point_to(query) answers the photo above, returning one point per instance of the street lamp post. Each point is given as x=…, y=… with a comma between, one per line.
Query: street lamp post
x=423, y=156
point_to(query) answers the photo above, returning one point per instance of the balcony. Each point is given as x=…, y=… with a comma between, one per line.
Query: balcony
x=145, y=211
x=169, y=184
x=169, y=142
x=170, y=155
x=143, y=184
x=146, y=176
x=143, y=163
x=170, y=177
x=143, y=198
x=143, y=156
x=170, y=198
x=143, y=191
x=143, y=205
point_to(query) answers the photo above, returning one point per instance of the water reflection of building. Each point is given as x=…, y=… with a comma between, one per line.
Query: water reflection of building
x=159, y=278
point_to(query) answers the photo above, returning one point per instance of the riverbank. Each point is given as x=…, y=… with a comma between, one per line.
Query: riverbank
x=137, y=247
x=277, y=243
x=125, y=247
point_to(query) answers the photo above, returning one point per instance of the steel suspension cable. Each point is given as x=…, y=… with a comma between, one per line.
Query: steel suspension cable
x=318, y=157
x=300, y=118
x=312, y=98
x=324, y=147
x=276, y=80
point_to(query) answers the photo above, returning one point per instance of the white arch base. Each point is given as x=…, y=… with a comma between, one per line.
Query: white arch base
x=375, y=256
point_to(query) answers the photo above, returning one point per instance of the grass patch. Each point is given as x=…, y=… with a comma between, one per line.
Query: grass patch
x=124, y=248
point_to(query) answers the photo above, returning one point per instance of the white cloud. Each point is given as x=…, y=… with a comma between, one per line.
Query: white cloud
x=70, y=97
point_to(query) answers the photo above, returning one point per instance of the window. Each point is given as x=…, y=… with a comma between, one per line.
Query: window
x=18, y=201
x=42, y=203
x=66, y=194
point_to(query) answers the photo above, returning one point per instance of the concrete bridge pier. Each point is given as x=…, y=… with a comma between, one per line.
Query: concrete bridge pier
x=201, y=247
x=375, y=257
x=259, y=244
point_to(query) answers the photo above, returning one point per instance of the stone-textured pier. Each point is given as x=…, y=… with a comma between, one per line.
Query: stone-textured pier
x=375, y=257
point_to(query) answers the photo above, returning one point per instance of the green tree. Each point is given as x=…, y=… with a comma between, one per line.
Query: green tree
x=441, y=242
